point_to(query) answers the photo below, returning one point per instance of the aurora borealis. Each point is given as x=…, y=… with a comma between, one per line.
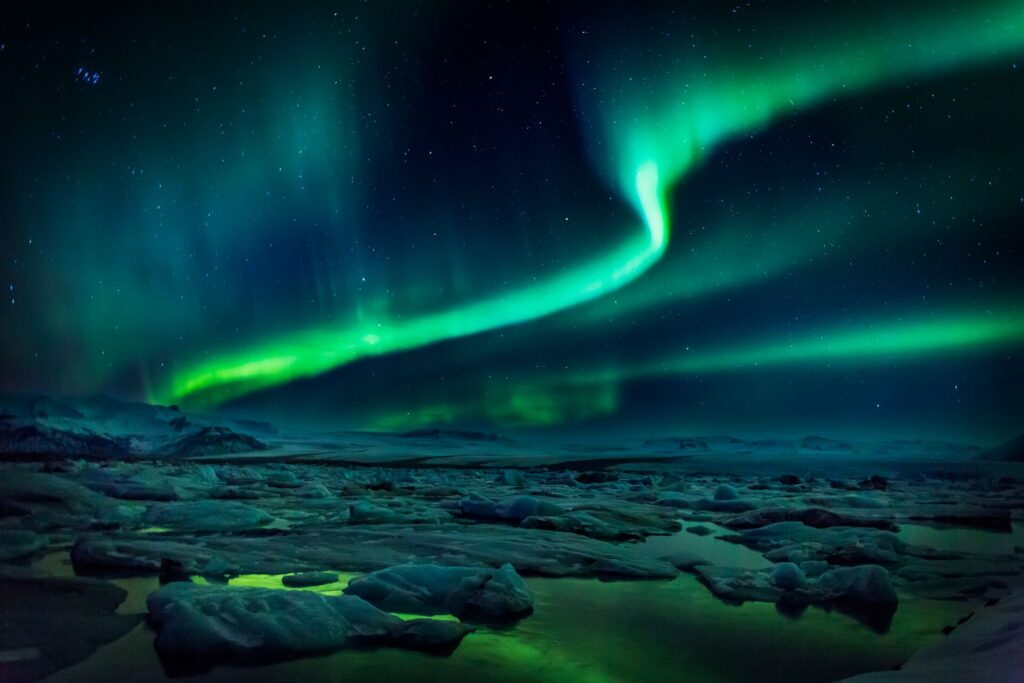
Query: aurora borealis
x=756, y=218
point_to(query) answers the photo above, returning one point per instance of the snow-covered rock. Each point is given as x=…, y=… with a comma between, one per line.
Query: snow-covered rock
x=207, y=515
x=514, y=478
x=512, y=510
x=620, y=522
x=103, y=428
x=211, y=440
x=788, y=576
x=15, y=543
x=365, y=512
x=726, y=492
x=96, y=555
x=261, y=622
x=141, y=485
x=864, y=585
x=22, y=486
x=985, y=649
x=369, y=548
x=815, y=517
x=480, y=592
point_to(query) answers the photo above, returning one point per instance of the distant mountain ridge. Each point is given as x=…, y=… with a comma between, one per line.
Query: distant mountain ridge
x=1011, y=451
x=103, y=427
x=814, y=445
x=457, y=434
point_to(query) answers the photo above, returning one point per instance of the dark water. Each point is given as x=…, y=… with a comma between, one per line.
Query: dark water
x=587, y=630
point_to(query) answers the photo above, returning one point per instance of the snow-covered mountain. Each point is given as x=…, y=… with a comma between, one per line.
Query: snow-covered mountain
x=102, y=427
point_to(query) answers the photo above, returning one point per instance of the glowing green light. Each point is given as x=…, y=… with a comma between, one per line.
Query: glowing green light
x=311, y=352
x=651, y=204
x=682, y=117
x=657, y=139
x=894, y=339
x=872, y=343
x=521, y=404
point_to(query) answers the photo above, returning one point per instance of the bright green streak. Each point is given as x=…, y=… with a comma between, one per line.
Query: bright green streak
x=312, y=352
x=894, y=340
x=657, y=140
x=688, y=113
x=848, y=346
x=549, y=400
x=524, y=403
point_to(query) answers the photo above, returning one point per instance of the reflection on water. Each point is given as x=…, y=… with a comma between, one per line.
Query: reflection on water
x=57, y=563
x=963, y=540
x=274, y=581
x=139, y=588
x=717, y=552
x=588, y=630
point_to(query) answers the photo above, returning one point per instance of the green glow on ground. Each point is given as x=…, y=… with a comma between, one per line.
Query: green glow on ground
x=274, y=581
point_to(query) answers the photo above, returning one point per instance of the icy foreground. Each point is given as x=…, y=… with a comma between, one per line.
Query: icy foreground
x=225, y=620
x=983, y=650
x=463, y=591
x=83, y=618
x=456, y=541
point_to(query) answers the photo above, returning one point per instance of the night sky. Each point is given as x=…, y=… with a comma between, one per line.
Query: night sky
x=587, y=218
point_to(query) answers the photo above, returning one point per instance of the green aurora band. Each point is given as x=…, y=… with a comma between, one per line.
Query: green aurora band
x=579, y=395
x=655, y=142
x=879, y=343
x=312, y=352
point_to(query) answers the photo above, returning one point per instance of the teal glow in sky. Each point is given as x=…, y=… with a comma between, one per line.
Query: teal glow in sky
x=266, y=210
x=666, y=133
x=310, y=352
x=887, y=341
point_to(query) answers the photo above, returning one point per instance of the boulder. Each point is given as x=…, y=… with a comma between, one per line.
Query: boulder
x=308, y=579
x=480, y=592
x=868, y=583
x=788, y=576
x=512, y=510
x=207, y=515
x=258, y=623
x=819, y=518
x=15, y=543
x=726, y=492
